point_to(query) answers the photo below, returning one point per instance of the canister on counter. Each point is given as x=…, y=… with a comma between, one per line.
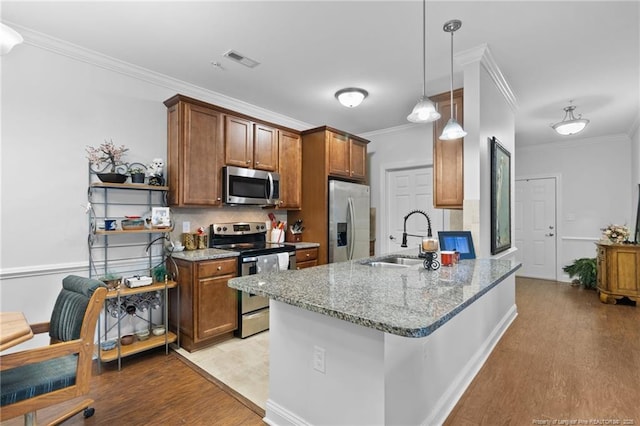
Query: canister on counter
x=201, y=240
x=189, y=241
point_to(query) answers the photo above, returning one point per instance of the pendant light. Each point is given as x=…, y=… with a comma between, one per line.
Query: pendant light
x=453, y=130
x=569, y=124
x=425, y=110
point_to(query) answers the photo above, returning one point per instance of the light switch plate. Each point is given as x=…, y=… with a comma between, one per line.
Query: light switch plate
x=186, y=227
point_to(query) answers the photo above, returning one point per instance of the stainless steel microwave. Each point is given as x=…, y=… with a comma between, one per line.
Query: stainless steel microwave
x=249, y=186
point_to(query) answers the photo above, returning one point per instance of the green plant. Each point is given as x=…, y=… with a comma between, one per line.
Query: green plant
x=584, y=269
x=136, y=170
x=159, y=272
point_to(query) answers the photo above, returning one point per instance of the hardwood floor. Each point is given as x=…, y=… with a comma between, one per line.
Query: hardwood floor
x=566, y=357
x=157, y=389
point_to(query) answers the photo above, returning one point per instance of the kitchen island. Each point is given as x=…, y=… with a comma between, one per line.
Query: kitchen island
x=354, y=344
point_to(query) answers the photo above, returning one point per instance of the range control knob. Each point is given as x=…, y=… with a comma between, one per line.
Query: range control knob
x=261, y=226
x=224, y=229
x=218, y=229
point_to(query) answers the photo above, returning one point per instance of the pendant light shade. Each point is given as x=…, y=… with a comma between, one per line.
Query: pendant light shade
x=569, y=124
x=9, y=39
x=351, y=97
x=453, y=129
x=424, y=111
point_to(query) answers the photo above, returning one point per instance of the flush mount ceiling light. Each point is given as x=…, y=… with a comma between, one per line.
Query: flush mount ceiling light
x=10, y=38
x=453, y=130
x=425, y=110
x=351, y=97
x=569, y=124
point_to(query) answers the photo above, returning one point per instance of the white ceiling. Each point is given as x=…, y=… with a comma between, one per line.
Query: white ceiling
x=549, y=53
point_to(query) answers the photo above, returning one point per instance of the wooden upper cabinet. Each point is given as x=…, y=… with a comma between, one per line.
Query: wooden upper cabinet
x=251, y=145
x=338, y=154
x=265, y=148
x=290, y=160
x=238, y=137
x=347, y=156
x=194, y=153
x=358, y=155
x=448, y=166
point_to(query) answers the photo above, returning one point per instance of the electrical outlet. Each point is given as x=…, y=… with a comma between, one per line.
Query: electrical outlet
x=186, y=227
x=319, y=359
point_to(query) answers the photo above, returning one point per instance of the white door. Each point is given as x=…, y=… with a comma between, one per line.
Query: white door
x=535, y=227
x=409, y=189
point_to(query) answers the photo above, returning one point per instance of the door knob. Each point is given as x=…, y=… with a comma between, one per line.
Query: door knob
x=548, y=235
x=391, y=237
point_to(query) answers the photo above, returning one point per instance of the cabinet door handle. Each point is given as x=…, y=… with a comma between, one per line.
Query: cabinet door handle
x=257, y=162
x=308, y=254
x=219, y=199
x=248, y=161
x=219, y=268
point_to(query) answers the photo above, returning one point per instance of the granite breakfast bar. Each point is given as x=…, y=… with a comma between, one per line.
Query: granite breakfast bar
x=361, y=345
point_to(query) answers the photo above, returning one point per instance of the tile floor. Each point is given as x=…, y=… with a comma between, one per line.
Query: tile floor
x=241, y=364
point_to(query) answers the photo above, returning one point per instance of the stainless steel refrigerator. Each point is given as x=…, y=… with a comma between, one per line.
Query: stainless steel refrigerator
x=348, y=221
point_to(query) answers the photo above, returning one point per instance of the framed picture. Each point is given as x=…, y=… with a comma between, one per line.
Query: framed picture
x=160, y=217
x=500, y=197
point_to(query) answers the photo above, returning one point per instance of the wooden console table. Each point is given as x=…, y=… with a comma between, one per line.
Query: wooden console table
x=618, y=272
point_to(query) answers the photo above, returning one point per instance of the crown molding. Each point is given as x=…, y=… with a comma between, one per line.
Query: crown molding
x=483, y=55
x=78, y=53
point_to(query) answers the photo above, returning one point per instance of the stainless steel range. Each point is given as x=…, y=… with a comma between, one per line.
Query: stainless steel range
x=256, y=256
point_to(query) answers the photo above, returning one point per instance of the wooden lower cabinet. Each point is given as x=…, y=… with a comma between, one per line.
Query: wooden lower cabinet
x=208, y=307
x=618, y=272
x=306, y=258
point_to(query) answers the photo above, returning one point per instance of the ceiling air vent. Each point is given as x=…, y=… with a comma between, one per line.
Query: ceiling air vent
x=240, y=58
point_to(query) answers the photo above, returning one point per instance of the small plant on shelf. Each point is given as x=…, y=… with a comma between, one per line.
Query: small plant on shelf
x=107, y=153
x=585, y=270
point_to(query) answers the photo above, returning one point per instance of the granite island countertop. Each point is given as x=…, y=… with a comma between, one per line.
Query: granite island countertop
x=410, y=302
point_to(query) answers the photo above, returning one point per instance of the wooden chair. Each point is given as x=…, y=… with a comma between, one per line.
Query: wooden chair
x=41, y=377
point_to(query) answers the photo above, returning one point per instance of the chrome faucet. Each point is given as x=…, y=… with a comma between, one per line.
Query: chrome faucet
x=404, y=233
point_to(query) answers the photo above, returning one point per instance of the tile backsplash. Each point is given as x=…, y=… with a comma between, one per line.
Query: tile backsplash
x=203, y=217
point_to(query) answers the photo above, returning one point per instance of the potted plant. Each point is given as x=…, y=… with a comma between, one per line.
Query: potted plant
x=111, y=155
x=137, y=175
x=585, y=271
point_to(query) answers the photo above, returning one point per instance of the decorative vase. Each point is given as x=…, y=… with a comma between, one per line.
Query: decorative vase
x=137, y=178
x=112, y=177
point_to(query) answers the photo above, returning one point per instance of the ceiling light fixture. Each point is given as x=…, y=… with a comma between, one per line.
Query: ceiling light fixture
x=10, y=38
x=453, y=130
x=424, y=111
x=569, y=124
x=351, y=97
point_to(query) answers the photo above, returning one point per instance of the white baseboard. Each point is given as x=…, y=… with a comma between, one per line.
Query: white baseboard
x=277, y=415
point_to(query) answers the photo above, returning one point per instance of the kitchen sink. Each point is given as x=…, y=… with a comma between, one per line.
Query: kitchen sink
x=394, y=262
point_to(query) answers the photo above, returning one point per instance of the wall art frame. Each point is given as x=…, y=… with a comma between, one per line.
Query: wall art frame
x=500, y=197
